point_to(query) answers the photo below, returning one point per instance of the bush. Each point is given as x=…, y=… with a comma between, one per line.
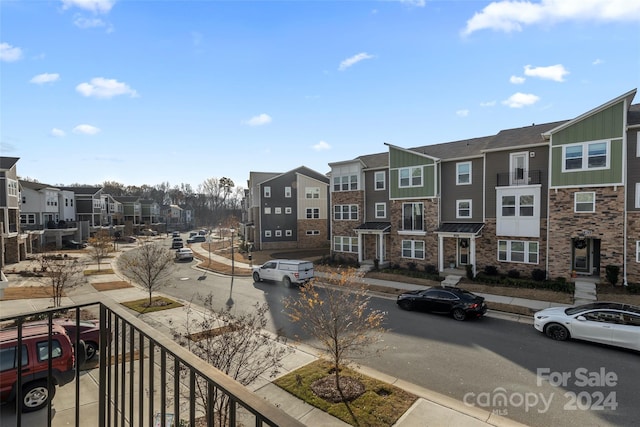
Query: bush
x=430, y=269
x=412, y=266
x=469, y=270
x=513, y=274
x=491, y=270
x=376, y=264
x=538, y=275
x=633, y=288
x=612, y=272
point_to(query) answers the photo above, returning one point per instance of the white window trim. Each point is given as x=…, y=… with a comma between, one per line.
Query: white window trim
x=384, y=206
x=312, y=211
x=267, y=211
x=413, y=249
x=637, y=194
x=287, y=210
x=287, y=192
x=277, y=210
x=12, y=187
x=458, y=208
x=638, y=144
x=458, y=173
x=526, y=252
x=585, y=156
x=575, y=201
x=375, y=181
x=267, y=233
x=411, y=169
x=288, y=233
x=267, y=191
x=349, y=239
x=342, y=218
x=278, y=233
x=345, y=179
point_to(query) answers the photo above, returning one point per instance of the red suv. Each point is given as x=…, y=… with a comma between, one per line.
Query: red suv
x=35, y=364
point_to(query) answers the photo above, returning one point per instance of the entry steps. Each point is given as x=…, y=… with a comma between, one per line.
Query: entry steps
x=451, y=280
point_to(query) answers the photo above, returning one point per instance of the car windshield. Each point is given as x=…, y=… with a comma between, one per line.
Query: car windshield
x=596, y=305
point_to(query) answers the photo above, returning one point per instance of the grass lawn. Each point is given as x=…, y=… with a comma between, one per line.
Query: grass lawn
x=157, y=304
x=108, y=286
x=380, y=405
x=95, y=272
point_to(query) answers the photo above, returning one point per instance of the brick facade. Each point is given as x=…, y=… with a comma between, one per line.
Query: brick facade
x=633, y=233
x=430, y=216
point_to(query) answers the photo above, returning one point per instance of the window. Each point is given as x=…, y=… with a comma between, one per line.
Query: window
x=287, y=210
x=637, y=194
x=345, y=244
x=637, y=250
x=381, y=210
x=27, y=218
x=312, y=193
x=267, y=211
x=585, y=202
x=413, y=249
x=278, y=233
x=288, y=233
x=463, y=173
x=526, y=205
x=43, y=350
x=287, y=192
x=345, y=183
x=522, y=205
x=380, y=180
x=313, y=213
x=8, y=357
x=518, y=251
x=412, y=216
x=267, y=233
x=267, y=191
x=586, y=156
x=12, y=187
x=463, y=209
x=508, y=205
x=313, y=232
x=410, y=177
x=277, y=211
x=345, y=212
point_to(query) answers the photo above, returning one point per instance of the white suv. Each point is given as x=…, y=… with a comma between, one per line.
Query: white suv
x=184, y=253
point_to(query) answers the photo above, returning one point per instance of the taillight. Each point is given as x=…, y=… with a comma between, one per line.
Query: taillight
x=474, y=305
x=296, y=274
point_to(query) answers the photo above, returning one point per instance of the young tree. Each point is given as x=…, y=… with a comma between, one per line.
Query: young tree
x=150, y=265
x=339, y=317
x=101, y=244
x=236, y=344
x=62, y=273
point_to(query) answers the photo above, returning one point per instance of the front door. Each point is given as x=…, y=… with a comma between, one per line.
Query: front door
x=463, y=251
x=582, y=255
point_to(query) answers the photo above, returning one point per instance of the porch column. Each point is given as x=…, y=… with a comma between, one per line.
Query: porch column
x=360, y=249
x=381, y=247
x=472, y=254
x=440, y=253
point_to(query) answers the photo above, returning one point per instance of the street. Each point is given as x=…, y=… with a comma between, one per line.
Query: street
x=494, y=364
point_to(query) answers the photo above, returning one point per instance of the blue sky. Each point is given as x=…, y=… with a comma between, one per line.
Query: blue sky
x=146, y=92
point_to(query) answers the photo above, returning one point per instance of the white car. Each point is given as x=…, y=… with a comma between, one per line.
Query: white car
x=609, y=323
x=184, y=253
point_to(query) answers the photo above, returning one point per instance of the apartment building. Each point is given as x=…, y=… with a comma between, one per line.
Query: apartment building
x=562, y=197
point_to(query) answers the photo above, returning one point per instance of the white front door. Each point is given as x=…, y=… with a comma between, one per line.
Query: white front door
x=519, y=168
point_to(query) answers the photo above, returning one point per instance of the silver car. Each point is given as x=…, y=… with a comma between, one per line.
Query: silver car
x=608, y=323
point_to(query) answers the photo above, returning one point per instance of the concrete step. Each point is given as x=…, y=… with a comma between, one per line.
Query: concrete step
x=451, y=280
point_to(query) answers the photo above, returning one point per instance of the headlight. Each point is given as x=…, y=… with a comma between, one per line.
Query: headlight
x=541, y=317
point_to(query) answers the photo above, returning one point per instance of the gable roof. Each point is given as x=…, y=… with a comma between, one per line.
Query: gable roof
x=83, y=190
x=7, y=163
x=37, y=186
x=302, y=170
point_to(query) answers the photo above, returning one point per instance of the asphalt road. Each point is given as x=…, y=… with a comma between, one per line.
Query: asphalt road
x=499, y=365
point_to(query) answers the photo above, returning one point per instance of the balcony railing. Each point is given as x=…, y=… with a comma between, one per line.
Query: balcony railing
x=51, y=225
x=144, y=379
x=519, y=177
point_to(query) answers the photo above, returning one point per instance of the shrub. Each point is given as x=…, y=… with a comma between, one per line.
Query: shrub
x=430, y=269
x=513, y=274
x=469, y=270
x=538, y=275
x=376, y=264
x=412, y=266
x=491, y=270
x=633, y=288
x=612, y=272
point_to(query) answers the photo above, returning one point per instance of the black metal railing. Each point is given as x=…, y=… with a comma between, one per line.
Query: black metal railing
x=519, y=177
x=144, y=378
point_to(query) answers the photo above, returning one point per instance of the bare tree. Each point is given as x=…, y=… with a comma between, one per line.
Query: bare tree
x=62, y=273
x=236, y=344
x=339, y=317
x=101, y=244
x=150, y=265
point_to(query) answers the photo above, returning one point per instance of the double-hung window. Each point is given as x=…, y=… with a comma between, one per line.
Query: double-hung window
x=586, y=156
x=410, y=177
x=313, y=213
x=381, y=210
x=345, y=212
x=413, y=216
x=345, y=183
x=463, y=209
x=585, y=201
x=287, y=192
x=518, y=251
x=413, y=249
x=312, y=193
x=267, y=191
x=345, y=244
x=463, y=173
x=380, y=182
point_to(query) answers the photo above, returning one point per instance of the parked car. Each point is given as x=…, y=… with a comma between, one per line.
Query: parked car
x=126, y=239
x=202, y=232
x=602, y=322
x=184, y=254
x=149, y=232
x=193, y=233
x=175, y=234
x=73, y=244
x=177, y=243
x=197, y=238
x=457, y=302
x=35, y=364
x=287, y=271
x=89, y=332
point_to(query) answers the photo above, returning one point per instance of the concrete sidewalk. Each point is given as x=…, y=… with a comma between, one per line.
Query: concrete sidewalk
x=431, y=408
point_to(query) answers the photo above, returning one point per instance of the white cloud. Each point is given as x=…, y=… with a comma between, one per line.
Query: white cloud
x=259, y=120
x=597, y=62
x=100, y=87
x=488, y=104
x=95, y=6
x=82, y=22
x=552, y=72
x=517, y=80
x=58, y=133
x=462, y=113
x=9, y=53
x=45, y=78
x=513, y=15
x=321, y=146
x=86, y=130
x=519, y=100
x=354, y=60
x=418, y=3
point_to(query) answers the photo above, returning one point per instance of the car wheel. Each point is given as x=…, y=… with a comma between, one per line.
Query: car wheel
x=256, y=277
x=459, y=314
x=406, y=305
x=91, y=350
x=287, y=281
x=36, y=395
x=557, y=332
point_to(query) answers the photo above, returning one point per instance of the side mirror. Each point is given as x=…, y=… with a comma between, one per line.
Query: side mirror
x=581, y=318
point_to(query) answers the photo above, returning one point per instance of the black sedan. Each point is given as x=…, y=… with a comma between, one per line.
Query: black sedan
x=449, y=300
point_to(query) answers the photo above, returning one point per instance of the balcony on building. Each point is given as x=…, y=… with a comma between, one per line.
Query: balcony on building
x=519, y=177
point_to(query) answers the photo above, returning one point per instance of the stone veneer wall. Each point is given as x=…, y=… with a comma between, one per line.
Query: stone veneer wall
x=606, y=224
x=487, y=250
x=346, y=227
x=633, y=235
x=312, y=241
x=431, y=238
